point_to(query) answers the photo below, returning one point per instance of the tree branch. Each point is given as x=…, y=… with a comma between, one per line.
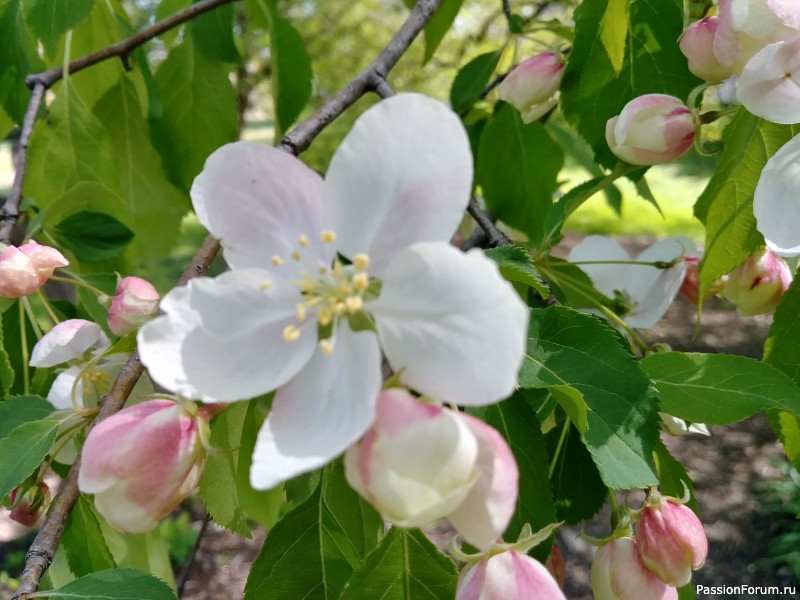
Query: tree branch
x=496, y=237
x=41, y=552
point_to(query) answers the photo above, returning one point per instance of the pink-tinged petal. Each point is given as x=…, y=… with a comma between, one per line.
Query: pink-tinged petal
x=490, y=504
x=221, y=340
x=442, y=313
x=606, y=277
x=259, y=201
x=135, y=302
x=776, y=205
x=770, y=83
x=44, y=259
x=402, y=175
x=321, y=412
x=18, y=276
x=506, y=576
x=786, y=11
x=68, y=340
x=618, y=574
x=471, y=581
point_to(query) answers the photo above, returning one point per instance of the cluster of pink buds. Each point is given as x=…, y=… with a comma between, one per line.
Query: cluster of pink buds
x=25, y=269
x=135, y=303
x=668, y=544
x=28, y=506
x=532, y=86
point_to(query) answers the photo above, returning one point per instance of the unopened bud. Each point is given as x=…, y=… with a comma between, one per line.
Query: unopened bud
x=25, y=269
x=697, y=45
x=532, y=86
x=618, y=574
x=758, y=284
x=28, y=509
x=506, y=576
x=135, y=303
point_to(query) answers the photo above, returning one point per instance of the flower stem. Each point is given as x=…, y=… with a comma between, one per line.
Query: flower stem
x=559, y=446
x=49, y=309
x=26, y=303
x=23, y=337
x=76, y=281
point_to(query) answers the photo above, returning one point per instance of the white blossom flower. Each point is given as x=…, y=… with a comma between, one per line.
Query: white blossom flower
x=775, y=202
x=325, y=274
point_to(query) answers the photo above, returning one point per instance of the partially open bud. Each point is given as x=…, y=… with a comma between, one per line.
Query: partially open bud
x=135, y=303
x=143, y=461
x=422, y=462
x=618, y=574
x=506, y=576
x=758, y=284
x=28, y=509
x=697, y=45
x=651, y=129
x=532, y=86
x=671, y=540
x=69, y=340
x=25, y=269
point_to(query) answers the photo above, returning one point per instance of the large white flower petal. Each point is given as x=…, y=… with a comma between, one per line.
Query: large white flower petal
x=221, y=339
x=325, y=409
x=259, y=201
x=402, y=175
x=450, y=324
x=606, y=277
x=776, y=203
x=770, y=83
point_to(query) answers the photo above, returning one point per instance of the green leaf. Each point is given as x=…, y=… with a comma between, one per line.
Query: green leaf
x=569, y=348
x=787, y=428
x=472, y=79
x=516, y=421
x=593, y=90
x=7, y=374
x=83, y=541
x=164, y=9
x=114, y=584
x=516, y=264
x=219, y=477
x=93, y=236
x=6, y=124
x=198, y=113
x=406, y=566
x=50, y=19
x=726, y=205
x=312, y=551
x=578, y=491
x=18, y=58
x=69, y=147
x=673, y=476
x=719, y=389
x=154, y=206
x=21, y=409
x=438, y=25
x=22, y=450
x=146, y=552
x=213, y=32
x=291, y=72
x=517, y=168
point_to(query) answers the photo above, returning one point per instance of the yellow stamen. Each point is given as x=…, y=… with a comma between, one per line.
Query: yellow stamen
x=303, y=239
x=344, y=288
x=337, y=269
x=322, y=270
x=360, y=281
x=339, y=308
x=266, y=284
x=354, y=304
x=328, y=236
x=361, y=262
x=325, y=316
x=326, y=346
x=295, y=255
x=300, y=312
x=291, y=333
x=277, y=260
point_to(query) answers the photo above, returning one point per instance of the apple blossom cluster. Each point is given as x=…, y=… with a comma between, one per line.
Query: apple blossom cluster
x=668, y=543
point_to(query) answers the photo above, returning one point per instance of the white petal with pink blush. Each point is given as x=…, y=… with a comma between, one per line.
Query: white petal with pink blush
x=776, y=205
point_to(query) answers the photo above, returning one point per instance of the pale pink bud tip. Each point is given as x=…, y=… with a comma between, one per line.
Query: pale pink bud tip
x=532, y=86
x=651, y=129
x=697, y=45
x=758, y=284
x=421, y=462
x=25, y=269
x=671, y=541
x=142, y=462
x=618, y=574
x=135, y=302
x=505, y=576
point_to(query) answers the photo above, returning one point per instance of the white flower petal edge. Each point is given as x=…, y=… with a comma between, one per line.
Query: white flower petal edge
x=325, y=409
x=68, y=340
x=770, y=83
x=605, y=277
x=402, y=175
x=443, y=314
x=776, y=204
x=220, y=340
x=259, y=201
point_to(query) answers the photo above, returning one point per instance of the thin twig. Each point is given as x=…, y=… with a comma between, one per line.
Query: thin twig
x=507, y=10
x=41, y=552
x=187, y=570
x=496, y=237
x=381, y=87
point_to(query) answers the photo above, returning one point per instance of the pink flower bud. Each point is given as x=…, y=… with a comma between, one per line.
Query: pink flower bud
x=532, y=86
x=758, y=284
x=671, y=541
x=690, y=288
x=135, y=303
x=651, y=129
x=505, y=576
x=556, y=565
x=618, y=574
x=25, y=269
x=69, y=340
x=421, y=462
x=697, y=45
x=143, y=461
x=30, y=508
